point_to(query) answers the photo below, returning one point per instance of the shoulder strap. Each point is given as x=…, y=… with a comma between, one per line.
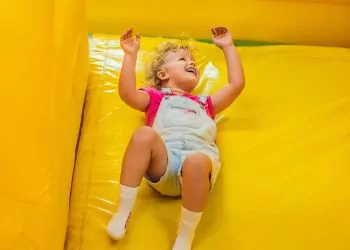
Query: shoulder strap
x=166, y=91
x=203, y=99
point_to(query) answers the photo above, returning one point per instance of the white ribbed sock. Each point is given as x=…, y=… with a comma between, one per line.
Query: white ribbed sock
x=117, y=226
x=187, y=227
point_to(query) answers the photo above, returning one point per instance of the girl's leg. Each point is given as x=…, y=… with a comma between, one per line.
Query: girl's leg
x=146, y=153
x=195, y=191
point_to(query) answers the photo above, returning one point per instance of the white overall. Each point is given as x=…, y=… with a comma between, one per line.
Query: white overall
x=185, y=128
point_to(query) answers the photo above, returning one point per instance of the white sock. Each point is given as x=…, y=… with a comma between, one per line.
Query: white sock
x=188, y=224
x=117, y=226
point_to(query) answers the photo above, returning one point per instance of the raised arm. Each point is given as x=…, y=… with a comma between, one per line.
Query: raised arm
x=128, y=92
x=235, y=74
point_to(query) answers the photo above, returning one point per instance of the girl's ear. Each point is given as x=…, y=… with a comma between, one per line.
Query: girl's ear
x=162, y=75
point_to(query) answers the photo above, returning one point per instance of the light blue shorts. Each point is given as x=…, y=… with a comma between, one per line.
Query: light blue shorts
x=170, y=183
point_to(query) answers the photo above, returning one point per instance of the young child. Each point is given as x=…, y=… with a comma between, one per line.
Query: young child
x=176, y=151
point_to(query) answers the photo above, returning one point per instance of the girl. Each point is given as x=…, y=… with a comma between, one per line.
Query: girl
x=176, y=150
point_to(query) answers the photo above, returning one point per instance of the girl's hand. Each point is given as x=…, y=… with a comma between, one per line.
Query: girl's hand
x=128, y=43
x=221, y=37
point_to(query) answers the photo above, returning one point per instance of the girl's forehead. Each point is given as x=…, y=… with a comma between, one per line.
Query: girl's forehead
x=179, y=52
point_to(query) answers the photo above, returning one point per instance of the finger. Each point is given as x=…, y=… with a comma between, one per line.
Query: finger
x=138, y=36
x=128, y=31
x=128, y=36
x=220, y=30
x=125, y=34
x=125, y=37
x=224, y=31
x=217, y=31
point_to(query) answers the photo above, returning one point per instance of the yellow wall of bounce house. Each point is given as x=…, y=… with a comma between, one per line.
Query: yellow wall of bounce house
x=44, y=69
x=285, y=145
x=308, y=22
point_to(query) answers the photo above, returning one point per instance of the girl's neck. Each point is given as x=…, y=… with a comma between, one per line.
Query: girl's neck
x=179, y=91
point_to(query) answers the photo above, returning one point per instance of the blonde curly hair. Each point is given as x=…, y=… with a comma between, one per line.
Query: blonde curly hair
x=157, y=61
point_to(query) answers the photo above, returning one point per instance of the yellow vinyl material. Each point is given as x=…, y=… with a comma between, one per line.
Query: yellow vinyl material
x=285, y=150
x=44, y=68
x=307, y=22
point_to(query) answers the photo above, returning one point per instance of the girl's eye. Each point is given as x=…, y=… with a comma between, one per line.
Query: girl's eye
x=182, y=59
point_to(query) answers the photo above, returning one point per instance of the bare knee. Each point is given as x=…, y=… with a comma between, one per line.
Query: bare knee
x=144, y=135
x=196, y=166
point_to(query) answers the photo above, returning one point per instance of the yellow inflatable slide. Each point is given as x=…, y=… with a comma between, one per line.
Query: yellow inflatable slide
x=285, y=142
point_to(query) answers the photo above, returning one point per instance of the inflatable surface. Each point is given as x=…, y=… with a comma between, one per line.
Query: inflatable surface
x=44, y=68
x=284, y=147
x=285, y=143
x=306, y=22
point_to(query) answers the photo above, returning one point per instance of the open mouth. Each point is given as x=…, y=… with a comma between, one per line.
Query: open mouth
x=192, y=71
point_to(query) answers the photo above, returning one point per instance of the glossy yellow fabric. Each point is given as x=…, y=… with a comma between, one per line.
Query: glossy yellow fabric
x=44, y=67
x=311, y=22
x=285, y=149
